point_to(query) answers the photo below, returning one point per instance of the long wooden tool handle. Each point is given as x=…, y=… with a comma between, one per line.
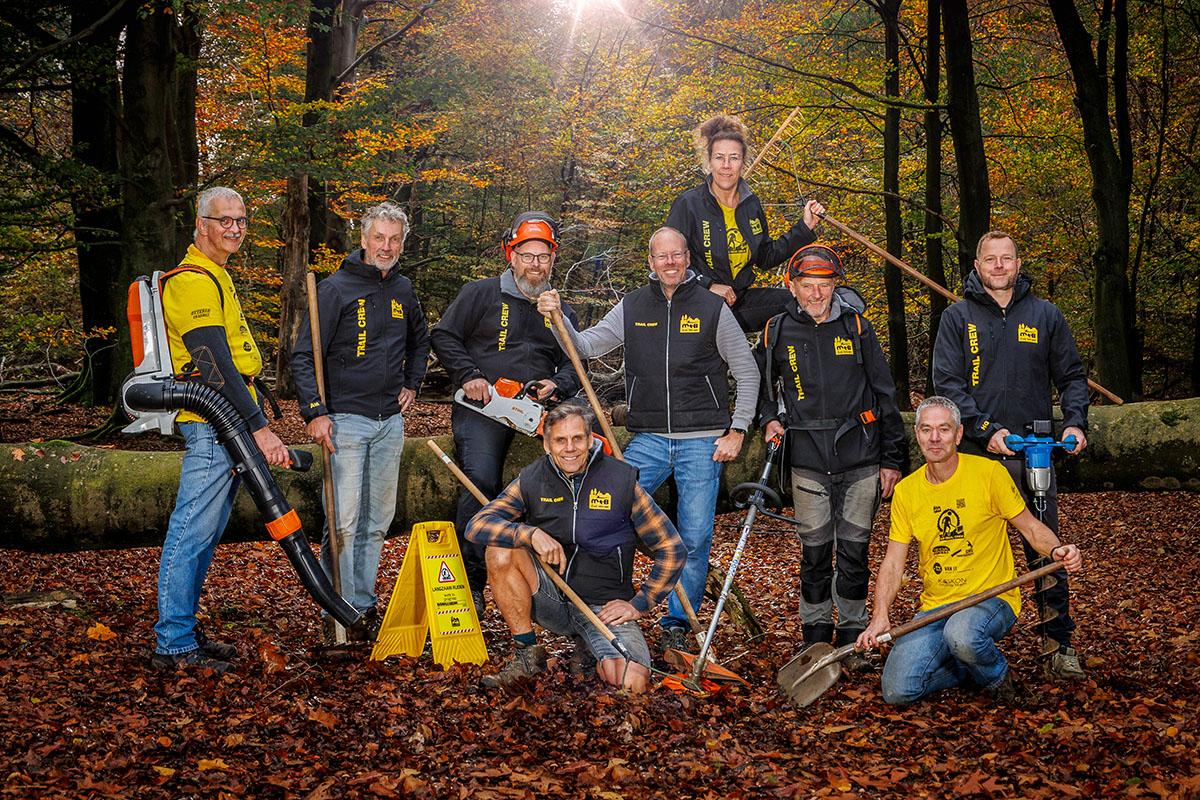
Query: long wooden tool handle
x=569, y=345
x=575, y=599
x=937, y=287
x=967, y=602
x=335, y=545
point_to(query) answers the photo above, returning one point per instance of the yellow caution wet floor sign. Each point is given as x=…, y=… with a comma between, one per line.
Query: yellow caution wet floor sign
x=432, y=599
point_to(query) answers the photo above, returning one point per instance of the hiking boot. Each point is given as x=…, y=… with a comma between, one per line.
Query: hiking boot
x=367, y=627
x=674, y=638
x=525, y=663
x=1004, y=692
x=817, y=632
x=1064, y=665
x=217, y=650
x=581, y=661
x=192, y=658
x=480, y=603
x=858, y=661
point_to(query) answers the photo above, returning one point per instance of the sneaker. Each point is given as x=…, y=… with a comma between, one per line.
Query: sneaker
x=1005, y=692
x=581, y=661
x=675, y=638
x=525, y=663
x=480, y=603
x=1064, y=665
x=217, y=650
x=192, y=658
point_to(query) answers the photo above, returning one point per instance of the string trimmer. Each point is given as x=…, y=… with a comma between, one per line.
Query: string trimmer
x=807, y=676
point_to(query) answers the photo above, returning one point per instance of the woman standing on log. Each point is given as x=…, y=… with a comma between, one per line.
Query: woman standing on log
x=726, y=229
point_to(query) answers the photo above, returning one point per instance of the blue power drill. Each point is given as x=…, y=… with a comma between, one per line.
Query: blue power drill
x=1039, y=447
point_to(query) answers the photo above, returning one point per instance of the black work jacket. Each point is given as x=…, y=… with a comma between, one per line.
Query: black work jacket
x=698, y=216
x=486, y=333
x=1001, y=365
x=675, y=378
x=591, y=522
x=374, y=341
x=837, y=392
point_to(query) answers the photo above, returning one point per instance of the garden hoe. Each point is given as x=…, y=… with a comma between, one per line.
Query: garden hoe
x=1039, y=447
x=676, y=682
x=581, y=371
x=818, y=667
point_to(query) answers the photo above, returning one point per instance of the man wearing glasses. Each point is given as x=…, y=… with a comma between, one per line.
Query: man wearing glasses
x=492, y=331
x=211, y=342
x=375, y=345
x=681, y=341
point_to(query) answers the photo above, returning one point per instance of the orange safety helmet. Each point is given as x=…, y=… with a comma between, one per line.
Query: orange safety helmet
x=531, y=226
x=816, y=260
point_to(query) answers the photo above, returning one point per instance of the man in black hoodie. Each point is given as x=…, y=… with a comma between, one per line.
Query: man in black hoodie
x=828, y=385
x=491, y=331
x=375, y=345
x=999, y=355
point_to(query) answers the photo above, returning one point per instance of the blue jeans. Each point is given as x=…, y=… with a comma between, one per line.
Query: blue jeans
x=207, y=486
x=698, y=478
x=949, y=652
x=366, y=470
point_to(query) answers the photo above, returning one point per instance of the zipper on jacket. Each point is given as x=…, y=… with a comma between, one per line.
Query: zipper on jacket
x=713, y=392
x=667, y=365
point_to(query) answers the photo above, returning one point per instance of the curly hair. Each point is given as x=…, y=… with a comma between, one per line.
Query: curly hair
x=723, y=127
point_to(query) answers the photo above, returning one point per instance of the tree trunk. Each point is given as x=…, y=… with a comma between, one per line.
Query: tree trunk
x=292, y=301
x=934, y=228
x=153, y=102
x=889, y=11
x=1112, y=311
x=84, y=498
x=95, y=115
x=974, y=191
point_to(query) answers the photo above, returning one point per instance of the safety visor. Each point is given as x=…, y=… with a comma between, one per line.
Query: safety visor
x=816, y=261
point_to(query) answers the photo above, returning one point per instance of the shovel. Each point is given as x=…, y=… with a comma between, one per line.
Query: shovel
x=808, y=675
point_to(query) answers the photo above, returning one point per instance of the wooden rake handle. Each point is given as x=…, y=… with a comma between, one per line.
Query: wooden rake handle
x=937, y=287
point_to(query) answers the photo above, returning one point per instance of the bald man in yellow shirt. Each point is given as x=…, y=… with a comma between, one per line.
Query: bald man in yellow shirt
x=211, y=342
x=957, y=509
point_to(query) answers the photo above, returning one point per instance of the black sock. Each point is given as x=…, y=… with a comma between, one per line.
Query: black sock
x=528, y=639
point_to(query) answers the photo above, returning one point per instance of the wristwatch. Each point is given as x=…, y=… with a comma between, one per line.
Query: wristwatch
x=742, y=431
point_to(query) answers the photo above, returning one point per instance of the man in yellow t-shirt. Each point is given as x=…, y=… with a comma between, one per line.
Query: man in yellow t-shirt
x=208, y=335
x=956, y=508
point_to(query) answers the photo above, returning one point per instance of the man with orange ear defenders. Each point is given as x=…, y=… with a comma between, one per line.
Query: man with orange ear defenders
x=492, y=330
x=827, y=384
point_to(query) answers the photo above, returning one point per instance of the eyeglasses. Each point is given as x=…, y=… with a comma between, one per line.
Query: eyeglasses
x=530, y=258
x=660, y=258
x=228, y=222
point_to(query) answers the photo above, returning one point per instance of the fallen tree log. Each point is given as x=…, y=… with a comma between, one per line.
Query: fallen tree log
x=60, y=496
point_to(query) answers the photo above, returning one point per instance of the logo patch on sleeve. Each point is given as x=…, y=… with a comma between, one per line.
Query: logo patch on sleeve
x=599, y=501
x=1027, y=333
x=689, y=324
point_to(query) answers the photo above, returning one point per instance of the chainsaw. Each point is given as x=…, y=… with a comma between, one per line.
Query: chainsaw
x=510, y=404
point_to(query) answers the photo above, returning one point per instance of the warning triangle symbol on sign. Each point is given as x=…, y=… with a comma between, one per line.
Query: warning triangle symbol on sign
x=445, y=575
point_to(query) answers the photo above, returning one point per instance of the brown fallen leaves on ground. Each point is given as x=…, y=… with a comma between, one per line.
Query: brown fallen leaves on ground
x=81, y=716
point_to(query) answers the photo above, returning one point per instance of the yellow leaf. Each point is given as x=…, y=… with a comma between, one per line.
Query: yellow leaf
x=166, y=772
x=215, y=763
x=18, y=454
x=101, y=632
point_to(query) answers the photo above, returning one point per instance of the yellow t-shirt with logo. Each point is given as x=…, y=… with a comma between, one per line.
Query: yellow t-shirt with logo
x=961, y=529
x=735, y=243
x=191, y=300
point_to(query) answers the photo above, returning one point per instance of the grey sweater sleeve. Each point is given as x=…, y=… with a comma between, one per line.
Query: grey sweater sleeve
x=606, y=335
x=733, y=347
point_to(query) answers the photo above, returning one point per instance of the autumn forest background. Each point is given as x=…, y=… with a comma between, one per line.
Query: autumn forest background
x=920, y=124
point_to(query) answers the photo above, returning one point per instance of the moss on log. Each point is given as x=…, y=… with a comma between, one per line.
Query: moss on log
x=72, y=497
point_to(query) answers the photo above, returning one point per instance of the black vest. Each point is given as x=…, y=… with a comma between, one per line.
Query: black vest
x=593, y=525
x=675, y=379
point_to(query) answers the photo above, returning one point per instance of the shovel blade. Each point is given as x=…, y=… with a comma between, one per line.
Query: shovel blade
x=686, y=662
x=804, y=689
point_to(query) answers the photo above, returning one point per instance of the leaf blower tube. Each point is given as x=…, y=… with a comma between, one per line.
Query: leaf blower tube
x=282, y=521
